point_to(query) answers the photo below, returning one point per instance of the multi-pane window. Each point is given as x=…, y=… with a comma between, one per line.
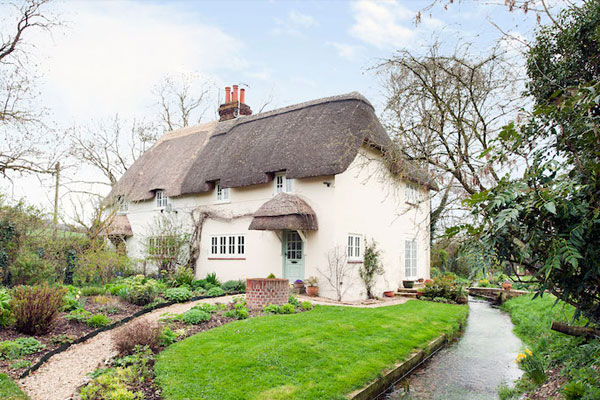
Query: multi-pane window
x=222, y=193
x=161, y=199
x=410, y=258
x=412, y=194
x=121, y=204
x=354, y=248
x=163, y=248
x=283, y=184
x=227, y=245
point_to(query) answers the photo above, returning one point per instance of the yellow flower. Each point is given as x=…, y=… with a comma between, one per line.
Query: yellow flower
x=528, y=352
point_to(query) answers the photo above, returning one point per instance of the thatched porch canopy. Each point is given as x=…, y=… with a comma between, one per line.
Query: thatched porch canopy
x=118, y=226
x=284, y=211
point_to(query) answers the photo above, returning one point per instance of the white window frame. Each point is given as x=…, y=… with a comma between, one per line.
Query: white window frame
x=227, y=246
x=410, y=258
x=222, y=194
x=354, y=247
x=412, y=195
x=161, y=199
x=122, y=205
x=282, y=184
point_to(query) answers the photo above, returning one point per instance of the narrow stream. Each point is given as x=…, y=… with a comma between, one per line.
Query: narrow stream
x=473, y=367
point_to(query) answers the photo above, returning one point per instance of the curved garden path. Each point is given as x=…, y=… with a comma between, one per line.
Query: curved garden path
x=61, y=376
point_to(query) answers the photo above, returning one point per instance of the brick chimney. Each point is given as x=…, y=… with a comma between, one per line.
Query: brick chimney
x=233, y=106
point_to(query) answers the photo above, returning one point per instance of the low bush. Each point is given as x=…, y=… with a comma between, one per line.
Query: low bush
x=288, y=309
x=206, y=307
x=78, y=315
x=157, y=301
x=35, y=307
x=443, y=289
x=139, y=290
x=179, y=294
x=183, y=276
x=234, y=286
x=142, y=333
x=100, y=267
x=11, y=349
x=93, y=291
x=240, y=311
x=31, y=269
x=98, y=321
x=194, y=316
x=110, y=309
x=72, y=299
x=62, y=339
x=20, y=364
x=112, y=384
x=272, y=309
x=115, y=287
x=199, y=284
x=215, y=292
x=167, y=337
x=307, y=305
x=212, y=279
x=293, y=301
x=5, y=310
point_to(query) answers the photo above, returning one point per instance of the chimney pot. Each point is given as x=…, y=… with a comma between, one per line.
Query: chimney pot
x=235, y=93
x=242, y=96
x=227, y=94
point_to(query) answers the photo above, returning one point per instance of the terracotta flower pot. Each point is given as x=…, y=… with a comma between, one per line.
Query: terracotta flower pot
x=312, y=291
x=419, y=294
x=421, y=280
x=389, y=293
x=507, y=285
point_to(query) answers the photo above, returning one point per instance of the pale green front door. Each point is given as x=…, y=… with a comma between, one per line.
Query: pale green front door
x=293, y=256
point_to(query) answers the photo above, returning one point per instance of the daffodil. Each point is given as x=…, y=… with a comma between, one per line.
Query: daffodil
x=528, y=352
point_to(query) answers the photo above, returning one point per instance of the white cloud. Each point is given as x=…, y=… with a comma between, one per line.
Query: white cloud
x=294, y=24
x=112, y=54
x=345, y=50
x=388, y=24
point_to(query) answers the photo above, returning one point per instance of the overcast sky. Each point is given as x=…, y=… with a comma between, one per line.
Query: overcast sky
x=110, y=54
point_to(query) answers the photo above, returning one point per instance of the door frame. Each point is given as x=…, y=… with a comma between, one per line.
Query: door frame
x=284, y=252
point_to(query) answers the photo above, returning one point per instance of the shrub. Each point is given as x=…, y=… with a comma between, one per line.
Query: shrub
x=100, y=266
x=234, y=286
x=30, y=269
x=182, y=276
x=35, y=307
x=215, y=292
x=158, y=301
x=79, y=315
x=93, y=291
x=195, y=316
x=212, y=279
x=198, y=284
x=206, y=307
x=112, y=384
x=200, y=292
x=98, y=321
x=5, y=310
x=116, y=287
x=72, y=300
x=293, y=301
x=167, y=337
x=19, y=364
x=139, y=290
x=307, y=305
x=141, y=333
x=179, y=295
x=11, y=349
x=110, y=309
x=443, y=287
x=272, y=309
x=62, y=339
x=484, y=283
x=240, y=311
x=288, y=309
x=574, y=390
x=370, y=268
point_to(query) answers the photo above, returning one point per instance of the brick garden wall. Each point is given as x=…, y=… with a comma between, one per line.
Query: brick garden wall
x=262, y=291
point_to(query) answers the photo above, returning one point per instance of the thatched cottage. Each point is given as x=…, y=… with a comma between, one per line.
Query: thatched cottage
x=297, y=192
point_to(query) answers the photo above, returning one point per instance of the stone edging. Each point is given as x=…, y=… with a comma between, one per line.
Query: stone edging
x=114, y=325
x=390, y=377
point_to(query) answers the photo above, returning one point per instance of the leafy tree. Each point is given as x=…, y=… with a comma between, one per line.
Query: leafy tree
x=548, y=219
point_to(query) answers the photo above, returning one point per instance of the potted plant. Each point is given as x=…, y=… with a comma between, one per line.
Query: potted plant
x=421, y=280
x=298, y=283
x=408, y=284
x=461, y=296
x=313, y=286
x=507, y=285
x=389, y=293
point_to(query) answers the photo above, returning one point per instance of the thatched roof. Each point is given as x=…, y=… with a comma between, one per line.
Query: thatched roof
x=118, y=226
x=316, y=138
x=284, y=211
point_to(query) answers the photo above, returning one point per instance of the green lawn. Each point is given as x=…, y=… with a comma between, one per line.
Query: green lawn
x=321, y=354
x=9, y=390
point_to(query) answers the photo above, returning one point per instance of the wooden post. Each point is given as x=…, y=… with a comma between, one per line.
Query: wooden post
x=55, y=218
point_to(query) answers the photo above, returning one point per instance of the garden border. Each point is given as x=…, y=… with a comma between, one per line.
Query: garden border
x=114, y=325
x=389, y=378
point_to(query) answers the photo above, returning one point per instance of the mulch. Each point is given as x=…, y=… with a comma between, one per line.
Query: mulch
x=552, y=389
x=67, y=330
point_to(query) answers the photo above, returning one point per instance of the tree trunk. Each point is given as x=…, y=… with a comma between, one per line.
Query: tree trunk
x=574, y=330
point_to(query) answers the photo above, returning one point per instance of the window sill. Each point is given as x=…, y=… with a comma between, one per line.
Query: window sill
x=355, y=261
x=222, y=201
x=227, y=258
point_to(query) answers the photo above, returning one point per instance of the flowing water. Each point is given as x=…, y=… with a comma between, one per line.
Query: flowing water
x=473, y=367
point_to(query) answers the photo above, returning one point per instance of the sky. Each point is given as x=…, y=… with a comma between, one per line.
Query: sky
x=109, y=55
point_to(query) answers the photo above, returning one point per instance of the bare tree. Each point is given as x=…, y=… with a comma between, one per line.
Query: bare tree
x=183, y=101
x=23, y=132
x=94, y=219
x=338, y=270
x=444, y=111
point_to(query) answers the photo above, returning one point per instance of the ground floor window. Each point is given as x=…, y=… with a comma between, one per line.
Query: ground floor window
x=410, y=258
x=354, y=248
x=163, y=248
x=227, y=245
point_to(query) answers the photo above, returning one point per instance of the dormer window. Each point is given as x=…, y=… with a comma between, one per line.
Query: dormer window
x=161, y=199
x=121, y=204
x=222, y=193
x=283, y=184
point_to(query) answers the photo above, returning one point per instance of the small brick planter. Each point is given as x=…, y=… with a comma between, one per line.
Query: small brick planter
x=262, y=291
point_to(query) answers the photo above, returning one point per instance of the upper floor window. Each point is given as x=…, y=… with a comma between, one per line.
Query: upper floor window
x=222, y=193
x=354, y=248
x=122, y=204
x=161, y=199
x=410, y=258
x=283, y=184
x=412, y=194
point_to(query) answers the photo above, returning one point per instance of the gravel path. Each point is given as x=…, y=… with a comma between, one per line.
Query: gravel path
x=61, y=376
